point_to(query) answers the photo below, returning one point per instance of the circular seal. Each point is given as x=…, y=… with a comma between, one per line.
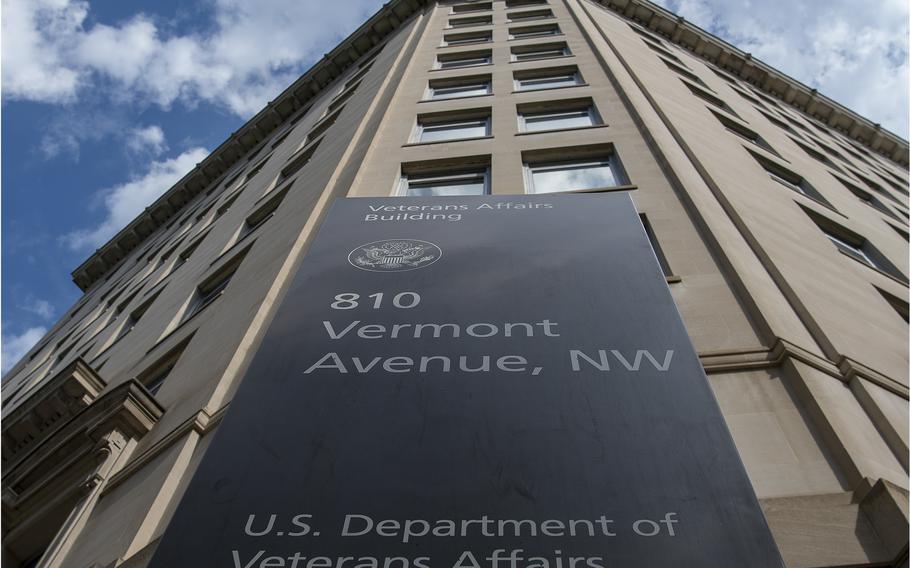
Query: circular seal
x=394, y=255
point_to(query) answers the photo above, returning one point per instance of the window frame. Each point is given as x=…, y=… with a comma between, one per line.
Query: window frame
x=447, y=58
x=588, y=109
x=462, y=83
x=469, y=7
x=467, y=38
x=611, y=160
x=550, y=75
x=455, y=174
x=531, y=54
x=530, y=15
x=469, y=22
x=530, y=32
x=442, y=123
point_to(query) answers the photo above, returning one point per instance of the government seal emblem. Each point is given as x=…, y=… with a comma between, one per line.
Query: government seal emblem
x=394, y=255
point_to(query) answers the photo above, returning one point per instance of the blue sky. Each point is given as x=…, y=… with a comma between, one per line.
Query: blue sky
x=107, y=103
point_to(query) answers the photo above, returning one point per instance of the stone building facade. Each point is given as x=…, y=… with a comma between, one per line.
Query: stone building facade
x=780, y=219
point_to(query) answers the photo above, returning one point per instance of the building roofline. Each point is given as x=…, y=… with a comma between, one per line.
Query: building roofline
x=297, y=96
x=390, y=17
x=775, y=83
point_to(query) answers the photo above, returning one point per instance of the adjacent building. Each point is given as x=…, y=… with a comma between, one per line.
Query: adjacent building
x=780, y=219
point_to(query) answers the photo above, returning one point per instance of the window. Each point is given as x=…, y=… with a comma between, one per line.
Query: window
x=855, y=246
x=521, y=3
x=534, y=31
x=472, y=7
x=644, y=33
x=849, y=248
x=547, y=79
x=706, y=96
x=540, y=51
x=765, y=98
x=154, y=382
x=900, y=306
x=442, y=89
x=189, y=250
x=296, y=162
x=228, y=202
x=467, y=38
x=212, y=289
x=256, y=169
x=879, y=189
x=904, y=234
x=724, y=75
x=320, y=127
x=815, y=154
x=134, y=318
x=655, y=246
x=356, y=77
x=259, y=217
x=434, y=128
x=456, y=181
x=684, y=72
x=743, y=132
x=868, y=198
x=664, y=52
x=777, y=122
x=342, y=98
x=569, y=114
x=530, y=15
x=790, y=180
x=155, y=375
x=472, y=21
x=755, y=102
x=463, y=59
x=593, y=173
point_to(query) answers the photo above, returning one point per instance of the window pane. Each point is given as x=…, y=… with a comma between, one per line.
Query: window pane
x=461, y=91
x=547, y=82
x=534, y=33
x=850, y=249
x=452, y=63
x=450, y=131
x=552, y=121
x=543, y=54
x=567, y=178
x=472, y=186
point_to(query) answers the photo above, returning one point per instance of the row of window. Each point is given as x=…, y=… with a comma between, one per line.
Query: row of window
x=703, y=91
x=777, y=172
x=486, y=36
x=511, y=17
x=533, y=117
x=480, y=85
x=478, y=58
x=488, y=6
x=107, y=314
x=596, y=171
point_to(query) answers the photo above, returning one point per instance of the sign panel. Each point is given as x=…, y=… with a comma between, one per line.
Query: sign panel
x=473, y=382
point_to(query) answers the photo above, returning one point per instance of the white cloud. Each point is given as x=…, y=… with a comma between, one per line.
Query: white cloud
x=124, y=202
x=41, y=308
x=14, y=346
x=848, y=50
x=35, y=34
x=51, y=52
x=146, y=140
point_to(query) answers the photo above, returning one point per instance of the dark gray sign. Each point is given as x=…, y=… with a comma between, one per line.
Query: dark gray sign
x=476, y=382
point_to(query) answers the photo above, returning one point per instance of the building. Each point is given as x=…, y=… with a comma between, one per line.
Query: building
x=780, y=219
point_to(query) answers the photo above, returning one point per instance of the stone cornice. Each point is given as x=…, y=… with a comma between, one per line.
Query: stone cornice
x=762, y=76
x=249, y=136
x=51, y=446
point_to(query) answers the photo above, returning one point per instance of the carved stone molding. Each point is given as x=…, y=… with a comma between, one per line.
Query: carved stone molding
x=54, y=443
